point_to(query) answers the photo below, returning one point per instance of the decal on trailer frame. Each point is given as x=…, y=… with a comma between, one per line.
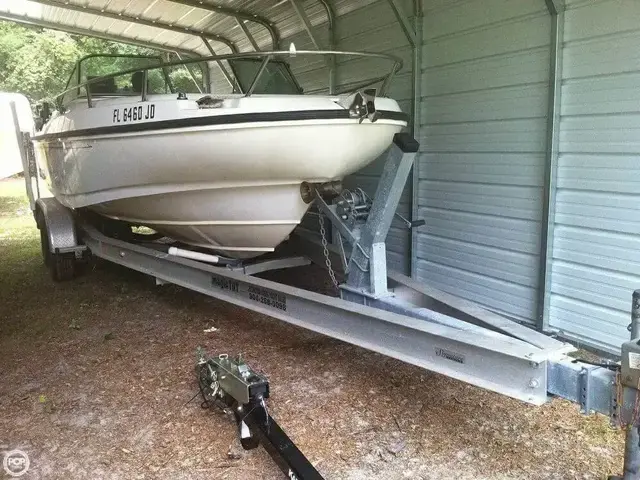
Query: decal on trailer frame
x=449, y=355
x=224, y=283
x=268, y=297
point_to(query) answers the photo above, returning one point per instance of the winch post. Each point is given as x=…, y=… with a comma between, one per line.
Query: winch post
x=630, y=359
x=368, y=262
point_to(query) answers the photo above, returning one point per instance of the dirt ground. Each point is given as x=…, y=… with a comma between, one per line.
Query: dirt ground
x=96, y=375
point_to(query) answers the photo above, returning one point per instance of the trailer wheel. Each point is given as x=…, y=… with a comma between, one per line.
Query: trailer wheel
x=44, y=239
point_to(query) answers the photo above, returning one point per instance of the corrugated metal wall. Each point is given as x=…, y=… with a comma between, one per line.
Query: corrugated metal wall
x=596, y=248
x=373, y=28
x=484, y=102
x=483, y=121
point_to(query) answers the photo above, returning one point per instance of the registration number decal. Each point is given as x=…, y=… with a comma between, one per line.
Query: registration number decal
x=134, y=114
x=268, y=297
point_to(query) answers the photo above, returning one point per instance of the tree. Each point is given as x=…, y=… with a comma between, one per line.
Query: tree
x=37, y=62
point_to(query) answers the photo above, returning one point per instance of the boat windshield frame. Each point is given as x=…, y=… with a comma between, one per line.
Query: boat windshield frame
x=77, y=73
x=266, y=57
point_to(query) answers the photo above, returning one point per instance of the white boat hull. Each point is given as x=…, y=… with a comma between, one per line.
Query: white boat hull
x=234, y=188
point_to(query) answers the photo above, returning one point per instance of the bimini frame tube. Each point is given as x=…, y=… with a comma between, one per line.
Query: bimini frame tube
x=397, y=65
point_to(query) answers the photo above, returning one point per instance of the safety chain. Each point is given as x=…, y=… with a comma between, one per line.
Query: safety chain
x=620, y=400
x=327, y=260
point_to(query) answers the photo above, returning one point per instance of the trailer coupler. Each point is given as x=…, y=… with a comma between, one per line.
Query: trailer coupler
x=230, y=384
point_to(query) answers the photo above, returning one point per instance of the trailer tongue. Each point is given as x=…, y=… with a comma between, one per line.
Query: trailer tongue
x=230, y=383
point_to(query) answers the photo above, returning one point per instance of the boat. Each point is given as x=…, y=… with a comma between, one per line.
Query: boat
x=228, y=172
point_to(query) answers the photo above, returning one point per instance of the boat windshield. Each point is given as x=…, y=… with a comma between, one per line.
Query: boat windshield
x=127, y=84
x=247, y=73
x=159, y=80
x=276, y=79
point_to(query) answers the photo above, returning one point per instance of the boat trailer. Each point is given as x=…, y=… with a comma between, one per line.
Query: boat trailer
x=382, y=311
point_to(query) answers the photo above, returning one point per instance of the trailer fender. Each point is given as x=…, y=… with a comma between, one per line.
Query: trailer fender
x=58, y=223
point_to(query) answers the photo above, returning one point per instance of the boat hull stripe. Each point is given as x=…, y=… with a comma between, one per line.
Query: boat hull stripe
x=218, y=120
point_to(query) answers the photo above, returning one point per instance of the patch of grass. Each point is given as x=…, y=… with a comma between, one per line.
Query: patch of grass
x=10, y=206
x=13, y=187
x=21, y=271
x=19, y=238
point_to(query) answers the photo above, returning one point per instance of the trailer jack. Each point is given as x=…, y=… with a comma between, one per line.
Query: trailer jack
x=229, y=383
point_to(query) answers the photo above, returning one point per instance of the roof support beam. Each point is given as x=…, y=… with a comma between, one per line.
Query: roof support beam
x=224, y=71
x=402, y=18
x=305, y=21
x=92, y=33
x=331, y=61
x=247, y=33
x=555, y=6
x=238, y=14
x=331, y=23
x=140, y=21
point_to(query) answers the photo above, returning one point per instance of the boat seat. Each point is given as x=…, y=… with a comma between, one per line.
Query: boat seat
x=136, y=82
x=108, y=85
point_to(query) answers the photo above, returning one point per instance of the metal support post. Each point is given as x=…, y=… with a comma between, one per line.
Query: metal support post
x=331, y=61
x=331, y=25
x=223, y=69
x=407, y=28
x=299, y=9
x=413, y=33
x=630, y=379
x=368, y=263
x=247, y=33
x=551, y=162
x=417, y=115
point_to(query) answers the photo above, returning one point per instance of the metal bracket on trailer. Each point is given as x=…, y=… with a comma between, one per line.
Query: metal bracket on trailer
x=230, y=383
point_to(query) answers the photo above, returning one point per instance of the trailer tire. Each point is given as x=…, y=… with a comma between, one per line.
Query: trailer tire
x=44, y=239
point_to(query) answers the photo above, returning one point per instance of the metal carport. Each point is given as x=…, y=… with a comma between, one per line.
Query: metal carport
x=528, y=138
x=512, y=144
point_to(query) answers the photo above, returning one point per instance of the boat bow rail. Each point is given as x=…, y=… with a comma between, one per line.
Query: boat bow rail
x=246, y=88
